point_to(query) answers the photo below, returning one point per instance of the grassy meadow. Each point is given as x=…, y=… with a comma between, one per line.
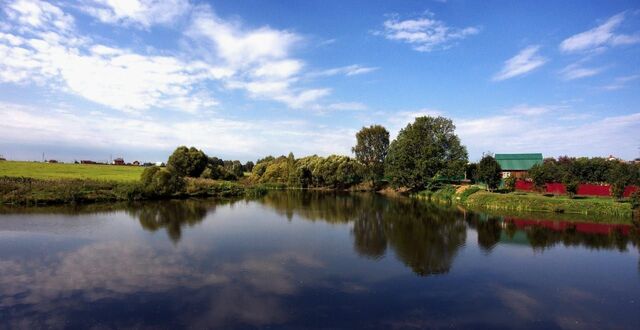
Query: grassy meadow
x=70, y=171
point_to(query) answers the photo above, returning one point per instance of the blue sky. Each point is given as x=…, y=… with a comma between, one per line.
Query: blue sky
x=240, y=79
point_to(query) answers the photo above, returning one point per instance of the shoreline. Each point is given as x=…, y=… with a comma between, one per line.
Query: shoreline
x=30, y=192
x=476, y=199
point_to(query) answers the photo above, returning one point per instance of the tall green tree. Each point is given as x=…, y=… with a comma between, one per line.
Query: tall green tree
x=187, y=161
x=621, y=176
x=489, y=172
x=424, y=150
x=371, y=150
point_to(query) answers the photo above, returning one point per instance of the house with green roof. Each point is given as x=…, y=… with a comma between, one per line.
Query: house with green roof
x=517, y=165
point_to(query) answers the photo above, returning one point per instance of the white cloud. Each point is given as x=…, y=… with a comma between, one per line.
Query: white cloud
x=527, y=110
x=256, y=60
x=213, y=133
x=424, y=34
x=144, y=13
x=261, y=59
x=525, y=61
x=237, y=46
x=601, y=36
x=38, y=14
x=347, y=106
x=118, y=78
x=552, y=137
x=575, y=71
x=621, y=82
x=350, y=70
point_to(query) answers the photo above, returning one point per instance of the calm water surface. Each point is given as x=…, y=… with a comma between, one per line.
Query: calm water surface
x=292, y=260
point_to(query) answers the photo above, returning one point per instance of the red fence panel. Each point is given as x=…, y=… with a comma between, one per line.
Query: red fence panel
x=587, y=189
x=584, y=189
x=630, y=190
x=556, y=188
x=524, y=185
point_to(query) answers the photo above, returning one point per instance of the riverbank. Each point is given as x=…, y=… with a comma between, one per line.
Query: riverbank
x=475, y=198
x=31, y=191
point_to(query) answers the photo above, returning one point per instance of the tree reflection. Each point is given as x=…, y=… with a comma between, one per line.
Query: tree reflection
x=427, y=237
x=171, y=215
x=423, y=236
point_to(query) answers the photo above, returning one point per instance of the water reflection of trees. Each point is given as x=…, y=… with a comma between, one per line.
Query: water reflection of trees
x=424, y=237
x=540, y=234
x=171, y=215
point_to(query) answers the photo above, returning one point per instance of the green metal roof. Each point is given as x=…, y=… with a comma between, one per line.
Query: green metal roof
x=518, y=162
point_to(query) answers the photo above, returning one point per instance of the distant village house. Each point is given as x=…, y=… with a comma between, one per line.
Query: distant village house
x=517, y=165
x=118, y=161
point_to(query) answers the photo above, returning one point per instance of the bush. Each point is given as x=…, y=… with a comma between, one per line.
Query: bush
x=158, y=182
x=510, y=184
x=635, y=200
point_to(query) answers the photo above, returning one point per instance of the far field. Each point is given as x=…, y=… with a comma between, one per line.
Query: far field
x=39, y=170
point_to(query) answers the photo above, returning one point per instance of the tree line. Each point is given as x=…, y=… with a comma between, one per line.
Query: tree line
x=425, y=151
x=570, y=171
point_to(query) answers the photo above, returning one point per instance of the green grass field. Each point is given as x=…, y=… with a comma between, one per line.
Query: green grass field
x=70, y=171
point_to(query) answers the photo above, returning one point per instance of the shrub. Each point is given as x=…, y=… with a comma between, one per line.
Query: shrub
x=510, y=184
x=635, y=200
x=157, y=182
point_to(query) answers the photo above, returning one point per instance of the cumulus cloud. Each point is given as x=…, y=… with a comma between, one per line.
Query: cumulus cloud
x=52, y=53
x=42, y=45
x=424, y=34
x=38, y=14
x=524, y=62
x=142, y=13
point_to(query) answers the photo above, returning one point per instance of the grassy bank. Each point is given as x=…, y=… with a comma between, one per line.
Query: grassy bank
x=478, y=199
x=31, y=191
x=70, y=171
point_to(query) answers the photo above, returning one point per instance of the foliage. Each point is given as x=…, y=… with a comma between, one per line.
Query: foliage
x=371, y=150
x=335, y=171
x=571, y=184
x=159, y=182
x=248, y=166
x=489, y=172
x=189, y=162
x=635, y=199
x=471, y=172
x=423, y=150
x=548, y=171
x=622, y=175
x=510, y=183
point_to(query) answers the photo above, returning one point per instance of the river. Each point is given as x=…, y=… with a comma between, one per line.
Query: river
x=321, y=260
